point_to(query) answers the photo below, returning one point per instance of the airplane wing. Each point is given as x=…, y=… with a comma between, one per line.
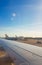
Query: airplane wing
x=30, y=54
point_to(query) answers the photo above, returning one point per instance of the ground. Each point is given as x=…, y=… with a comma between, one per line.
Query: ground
x=35, y=42
x=4, y=58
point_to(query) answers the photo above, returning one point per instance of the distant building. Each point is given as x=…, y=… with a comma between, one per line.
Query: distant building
x=21, y=38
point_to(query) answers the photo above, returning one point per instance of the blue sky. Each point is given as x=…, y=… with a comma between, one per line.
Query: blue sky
x=21, y=18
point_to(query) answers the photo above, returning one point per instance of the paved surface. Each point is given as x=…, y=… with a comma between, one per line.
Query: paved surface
x=28, y=54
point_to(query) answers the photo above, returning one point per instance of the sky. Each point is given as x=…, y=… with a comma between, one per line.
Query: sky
x=21, y=18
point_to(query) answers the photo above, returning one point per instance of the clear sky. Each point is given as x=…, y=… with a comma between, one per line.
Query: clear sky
x=21, y=17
